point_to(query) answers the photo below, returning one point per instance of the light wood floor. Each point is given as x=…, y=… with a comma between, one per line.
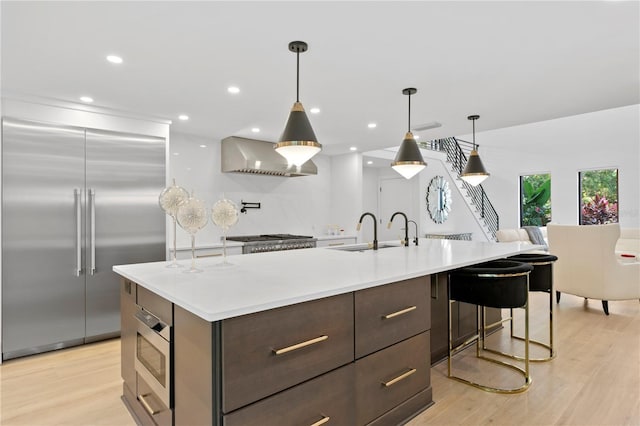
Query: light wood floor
x=595, y=380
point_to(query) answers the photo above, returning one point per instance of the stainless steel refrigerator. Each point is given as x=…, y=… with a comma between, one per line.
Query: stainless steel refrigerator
x=75, y=202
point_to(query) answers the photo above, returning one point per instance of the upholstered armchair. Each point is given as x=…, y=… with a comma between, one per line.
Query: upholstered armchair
x=588, y=266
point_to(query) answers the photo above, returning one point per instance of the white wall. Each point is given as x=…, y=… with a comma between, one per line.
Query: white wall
x=296, y=205
x=346, y=200
x=563, y=147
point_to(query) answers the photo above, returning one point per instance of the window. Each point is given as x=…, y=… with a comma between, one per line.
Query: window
x=535, y=200
x=598, y=196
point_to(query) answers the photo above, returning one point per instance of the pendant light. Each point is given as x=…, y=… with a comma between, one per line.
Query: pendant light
x=298, y=141
x=408, y=161
x=474, y=172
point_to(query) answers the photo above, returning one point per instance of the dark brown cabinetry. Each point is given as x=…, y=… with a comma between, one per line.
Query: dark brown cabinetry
x=328, y=398
x=391, y=376
x=352, y=359
x=390, y=313
x=128, y=333
x=282, y=347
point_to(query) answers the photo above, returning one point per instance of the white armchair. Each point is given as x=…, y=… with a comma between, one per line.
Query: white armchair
x=587, y=264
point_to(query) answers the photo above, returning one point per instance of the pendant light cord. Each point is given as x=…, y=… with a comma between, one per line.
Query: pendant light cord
x=409, y=118
x=298, y=76
x=474, y=134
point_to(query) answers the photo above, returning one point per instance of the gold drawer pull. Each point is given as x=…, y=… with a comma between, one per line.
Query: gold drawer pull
x=146, y=405
x=322, y=421
x=401, y=312
x=200, y=256
x=331, y=245
x=299, y=345
x=400, y=377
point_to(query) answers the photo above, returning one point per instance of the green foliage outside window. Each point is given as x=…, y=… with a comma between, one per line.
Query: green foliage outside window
x=599, y=197
x=535, y=200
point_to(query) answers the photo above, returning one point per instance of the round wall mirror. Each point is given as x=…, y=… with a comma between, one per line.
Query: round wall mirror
x=438, y=199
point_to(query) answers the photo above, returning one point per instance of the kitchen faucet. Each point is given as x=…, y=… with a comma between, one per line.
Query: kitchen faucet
x=406, y=227
x=375, y=228
x=415, y=240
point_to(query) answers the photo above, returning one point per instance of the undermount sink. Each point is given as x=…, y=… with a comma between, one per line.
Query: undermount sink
x=364, y=247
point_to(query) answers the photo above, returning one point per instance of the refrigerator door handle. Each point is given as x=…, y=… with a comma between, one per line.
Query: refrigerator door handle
x=78, y=202
x=92, y=212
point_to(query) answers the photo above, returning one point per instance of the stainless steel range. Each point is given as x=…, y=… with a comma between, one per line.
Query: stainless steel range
x=273, y=242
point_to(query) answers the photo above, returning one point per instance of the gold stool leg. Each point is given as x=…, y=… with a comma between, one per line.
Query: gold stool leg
x=479, y=336
x=552, y=352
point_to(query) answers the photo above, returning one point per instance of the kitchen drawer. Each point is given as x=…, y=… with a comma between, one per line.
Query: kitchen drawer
x=267, y=352
x=158, y=306
x=152, y=405
x=391, y=376
x=334, y=242
x=203, y=253
x=387, y=314
x=330, y=396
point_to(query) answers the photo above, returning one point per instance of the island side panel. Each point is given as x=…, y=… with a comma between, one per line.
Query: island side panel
x=196, y=370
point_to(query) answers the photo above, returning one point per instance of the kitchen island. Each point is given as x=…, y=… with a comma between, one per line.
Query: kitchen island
x=317, y=335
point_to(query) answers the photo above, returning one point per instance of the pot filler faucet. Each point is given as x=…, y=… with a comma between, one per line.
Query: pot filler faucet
x=375, y=228
x=405, y=242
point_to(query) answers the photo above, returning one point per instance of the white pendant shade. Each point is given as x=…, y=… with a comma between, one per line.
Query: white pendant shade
x=474, y=180
x=408, y=170
x=297, y=154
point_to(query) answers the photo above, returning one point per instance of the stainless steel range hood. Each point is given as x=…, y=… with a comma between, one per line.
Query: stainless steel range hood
x=242, y=155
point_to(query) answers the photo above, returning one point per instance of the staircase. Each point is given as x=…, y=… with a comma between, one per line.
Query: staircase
x=457, y=151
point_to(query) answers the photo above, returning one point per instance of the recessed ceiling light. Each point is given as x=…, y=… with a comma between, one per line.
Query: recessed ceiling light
x=183, y=117
x=203, y=146
x=86, y=99
x=233, y=89
x=416, y=137
x=353, y=148
x=314, y=110
x=255, y=130
x=372, y=125
x=369, y=162
x=427, y=126
x=114, y=59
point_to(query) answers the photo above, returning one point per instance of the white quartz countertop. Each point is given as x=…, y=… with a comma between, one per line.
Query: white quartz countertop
x=262, y=281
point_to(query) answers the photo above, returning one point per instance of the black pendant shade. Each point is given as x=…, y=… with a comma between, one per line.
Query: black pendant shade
x=298, y=142
x=408, y=161
x=474, y=172
x=298, y=127
x=409, y=151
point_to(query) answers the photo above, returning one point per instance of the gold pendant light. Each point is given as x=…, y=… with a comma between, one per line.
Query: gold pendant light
x=298, y=142
x=474, y=172
x=409, y=161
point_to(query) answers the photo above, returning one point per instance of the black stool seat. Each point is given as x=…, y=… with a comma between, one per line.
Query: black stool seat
x=496, y=284
x=540, y=278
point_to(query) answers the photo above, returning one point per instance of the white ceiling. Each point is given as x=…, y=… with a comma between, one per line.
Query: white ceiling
x=510, y=62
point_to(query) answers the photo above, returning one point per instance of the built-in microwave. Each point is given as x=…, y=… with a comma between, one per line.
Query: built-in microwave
x=153, y=355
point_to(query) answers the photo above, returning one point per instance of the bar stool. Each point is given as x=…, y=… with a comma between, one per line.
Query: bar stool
x=540, y=279
x=496, y=284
